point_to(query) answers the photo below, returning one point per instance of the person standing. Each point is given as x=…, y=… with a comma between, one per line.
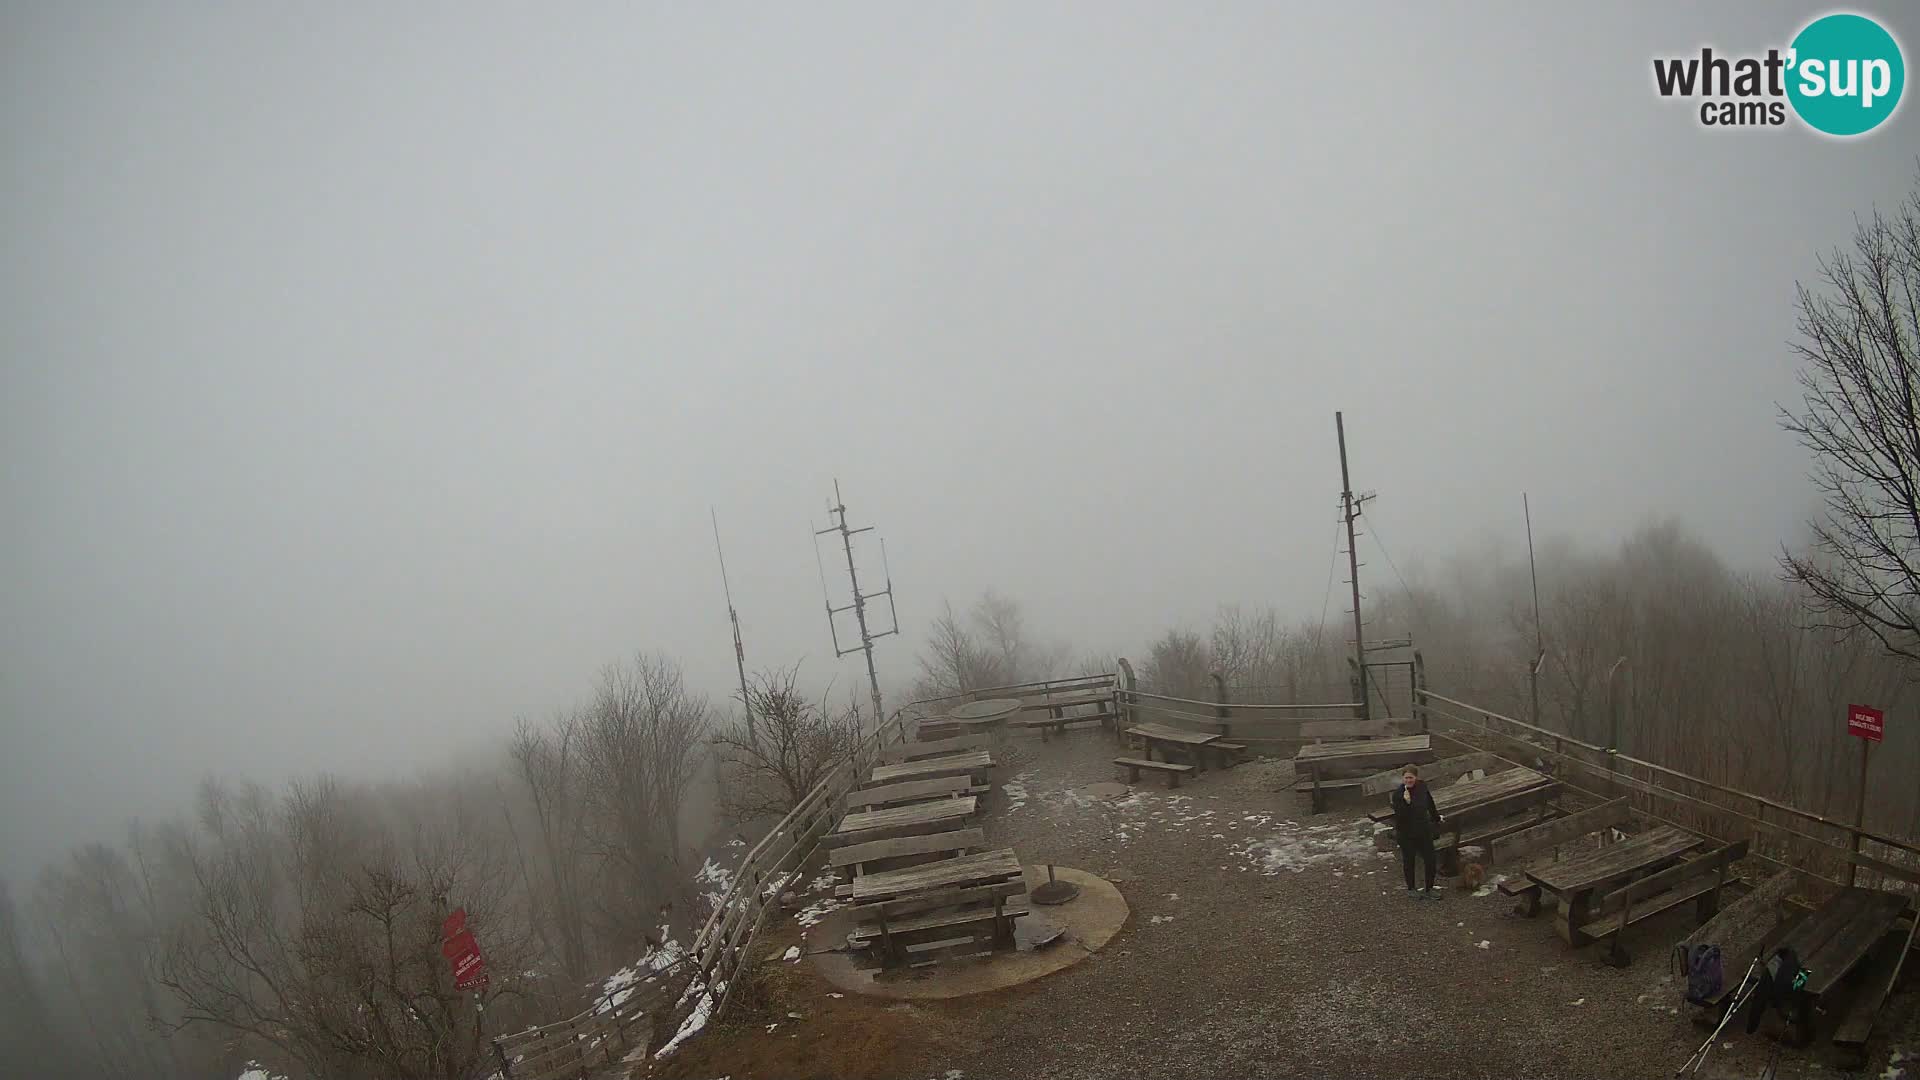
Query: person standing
x=1416, y=821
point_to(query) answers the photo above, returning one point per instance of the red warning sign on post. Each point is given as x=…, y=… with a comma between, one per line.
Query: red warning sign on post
x=1866, y=722
x=462, y=952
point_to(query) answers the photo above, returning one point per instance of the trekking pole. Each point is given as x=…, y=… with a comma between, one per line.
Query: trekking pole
x=1740, y=995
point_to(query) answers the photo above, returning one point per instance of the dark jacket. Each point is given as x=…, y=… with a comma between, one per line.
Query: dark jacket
x=1415, y=820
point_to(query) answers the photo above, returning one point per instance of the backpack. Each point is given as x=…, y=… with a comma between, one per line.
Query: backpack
x=1779, y=987
x=1705, y=977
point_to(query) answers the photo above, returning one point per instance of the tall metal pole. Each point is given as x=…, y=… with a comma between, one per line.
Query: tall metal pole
x=1539, y=642
x=859, y=604
x=739, y=650
x=1351, y=511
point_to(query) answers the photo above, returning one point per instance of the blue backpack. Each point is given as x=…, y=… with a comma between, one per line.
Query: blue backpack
x=1705, y=977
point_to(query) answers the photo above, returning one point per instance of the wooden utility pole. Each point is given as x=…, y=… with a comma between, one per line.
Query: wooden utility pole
x=859, y=605
x=1350, y=509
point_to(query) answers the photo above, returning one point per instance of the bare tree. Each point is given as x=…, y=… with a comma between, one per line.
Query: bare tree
x=799, y=743
x=1178, y=665
x=549, y=764
x=641, y=735
x=1860, y=415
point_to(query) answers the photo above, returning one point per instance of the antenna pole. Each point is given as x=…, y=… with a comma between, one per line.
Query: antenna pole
x=739, y=650
x=1350, y=509
x=1539, y=642
x=838, y=512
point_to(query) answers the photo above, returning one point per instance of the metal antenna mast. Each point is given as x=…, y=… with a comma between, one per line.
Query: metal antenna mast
x=1350, y=509
x=739, y=650
x=859, y=605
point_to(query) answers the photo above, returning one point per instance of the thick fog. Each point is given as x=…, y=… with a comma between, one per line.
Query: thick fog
x=370, y=370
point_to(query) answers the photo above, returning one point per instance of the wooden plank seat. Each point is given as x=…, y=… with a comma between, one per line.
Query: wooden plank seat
x=1173, y=770
x=1305, y=783
x=944, y=920
x=875, y=856
x=928, y=748
x=984, y=868
x=912, y=791
x=1698, y=879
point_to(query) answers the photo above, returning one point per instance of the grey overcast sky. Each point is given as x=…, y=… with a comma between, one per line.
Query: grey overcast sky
x=369, y=369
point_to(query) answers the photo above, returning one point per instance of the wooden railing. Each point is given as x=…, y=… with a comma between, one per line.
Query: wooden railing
x=1815, y=844
x=1248, y=721
x=605, y=1032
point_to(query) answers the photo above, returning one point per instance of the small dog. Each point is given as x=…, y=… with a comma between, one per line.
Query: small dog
x=1472, y=875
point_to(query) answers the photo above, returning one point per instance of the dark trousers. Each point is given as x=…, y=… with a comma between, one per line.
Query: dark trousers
x=1422, y=847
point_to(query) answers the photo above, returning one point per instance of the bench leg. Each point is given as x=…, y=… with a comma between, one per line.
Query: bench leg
x=1133, y=774
x=1528, y=904
x=1617, y=954
x=1173, y=780
x=1574, y=913
x=1449, y=861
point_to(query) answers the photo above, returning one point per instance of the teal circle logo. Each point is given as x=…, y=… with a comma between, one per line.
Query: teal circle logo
x=1845, y=74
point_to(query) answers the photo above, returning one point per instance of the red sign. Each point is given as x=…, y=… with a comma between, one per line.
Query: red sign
x=463, y=953
x=1866, y=722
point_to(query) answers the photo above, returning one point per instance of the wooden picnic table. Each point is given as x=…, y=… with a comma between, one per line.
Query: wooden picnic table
x=989, y=716
x=966, y=870
x=1575, y=880
x=970, y=763
x=1365, y=753
x=1494, y=788
x=1167, y=737
x=939, y=815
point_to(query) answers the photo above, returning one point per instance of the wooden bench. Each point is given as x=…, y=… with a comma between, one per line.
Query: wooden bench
x=876, y=856
x=1698, y=879
x=1049, y=726
x=941, y=914
x=1875, y=982
x=1174, y=770
x=1742, y=930
x=971, y=763
x=911, y=791
x=1436, y=774
x=913, y=819
x=914, y=751
x=1349, y=730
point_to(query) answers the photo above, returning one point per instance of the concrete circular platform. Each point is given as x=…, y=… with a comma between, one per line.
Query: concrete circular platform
x=1085, y=924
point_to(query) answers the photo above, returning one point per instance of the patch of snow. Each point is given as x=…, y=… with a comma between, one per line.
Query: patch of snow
x=256, y=1072
x=621, y=984
x=1894, y=1070
x=695, y=1021
x=1158, y=919
x=717, y=879
x=1295, y=848
x=1487, y=888
x=1483, y=944
x=1016, y=789
x=818, y=910
x=836, y=995
x=1173, y=896
x=736, y=843
x=824, y=883
x=792, y=953
x=1578, y=1001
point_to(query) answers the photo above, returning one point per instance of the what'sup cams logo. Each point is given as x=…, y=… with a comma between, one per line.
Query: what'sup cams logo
x=1842, y=75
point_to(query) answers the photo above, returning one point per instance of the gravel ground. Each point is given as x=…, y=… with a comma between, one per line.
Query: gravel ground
x=1265, y=942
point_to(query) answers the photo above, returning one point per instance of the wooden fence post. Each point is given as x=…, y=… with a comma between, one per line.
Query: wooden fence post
x=1220, y=709
x=1123, y=714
